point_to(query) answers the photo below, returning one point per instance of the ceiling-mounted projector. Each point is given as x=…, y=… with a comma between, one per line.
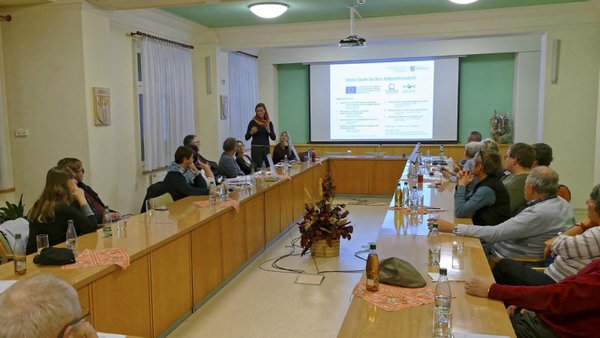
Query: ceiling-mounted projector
x=353, y=41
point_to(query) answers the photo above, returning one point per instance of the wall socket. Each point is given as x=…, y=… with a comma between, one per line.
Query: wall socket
x=21, y=132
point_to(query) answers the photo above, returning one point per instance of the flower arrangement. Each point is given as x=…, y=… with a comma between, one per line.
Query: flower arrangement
x=500, y=125
x=324, y=220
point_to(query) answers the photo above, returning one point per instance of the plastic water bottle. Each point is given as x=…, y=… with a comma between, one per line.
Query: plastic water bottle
x=443, y=295
x=398, y=196
x=405, y=194
x=285, y=160
x=107, y=223
x=434, y=246
x=372, y=269
x=442, y=154
x=20, y=257
x=71, y=237
x=263, y=169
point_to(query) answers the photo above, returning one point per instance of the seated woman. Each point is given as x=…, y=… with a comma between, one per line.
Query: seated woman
x=183, y=178
x=193, y=142
x=573, y=250
x=52, y=211
x=243, y=160
x=282, y=149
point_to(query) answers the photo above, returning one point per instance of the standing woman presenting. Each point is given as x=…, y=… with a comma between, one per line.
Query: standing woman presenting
x=260, y=129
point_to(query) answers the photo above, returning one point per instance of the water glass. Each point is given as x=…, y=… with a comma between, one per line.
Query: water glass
x=149, y=203
x=42, y=242
x=442, y=322
x=434, y=256
x=458, y=243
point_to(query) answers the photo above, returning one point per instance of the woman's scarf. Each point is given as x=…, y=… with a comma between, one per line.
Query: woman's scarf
x=261, y=122
x=187, y=173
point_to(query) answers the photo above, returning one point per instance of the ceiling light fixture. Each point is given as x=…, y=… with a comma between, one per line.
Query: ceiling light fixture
x=268, y=10
x=463, y=2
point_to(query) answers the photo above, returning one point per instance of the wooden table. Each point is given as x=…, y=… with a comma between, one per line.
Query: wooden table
x=404, y=236
x=178, y=257
x=368, y=175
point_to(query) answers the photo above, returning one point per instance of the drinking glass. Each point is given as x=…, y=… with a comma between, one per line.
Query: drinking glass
x=149, y=206
x=442, y=322
x=458, y=243
x=42, y=242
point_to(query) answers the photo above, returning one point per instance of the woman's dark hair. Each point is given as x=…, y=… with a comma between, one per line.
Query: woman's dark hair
x=188, y=140
x=182, y=153
x=264, y=107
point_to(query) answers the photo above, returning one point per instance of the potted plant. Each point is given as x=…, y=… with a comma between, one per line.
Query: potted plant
x=324, y=223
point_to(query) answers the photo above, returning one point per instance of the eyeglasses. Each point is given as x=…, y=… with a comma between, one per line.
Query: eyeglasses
x=74, y=322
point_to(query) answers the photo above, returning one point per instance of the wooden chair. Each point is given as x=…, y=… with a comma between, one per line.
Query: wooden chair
x=6, y=253
x=162, y=200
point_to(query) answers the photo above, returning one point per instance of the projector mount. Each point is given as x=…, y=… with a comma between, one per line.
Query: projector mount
x=353, y=40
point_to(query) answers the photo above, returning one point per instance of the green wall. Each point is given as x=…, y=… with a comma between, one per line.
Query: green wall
x=486, y=84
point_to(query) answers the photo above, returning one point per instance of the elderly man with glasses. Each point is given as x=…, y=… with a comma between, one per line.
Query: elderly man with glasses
x=525, y=234
x=43, y=306
x=489, y=201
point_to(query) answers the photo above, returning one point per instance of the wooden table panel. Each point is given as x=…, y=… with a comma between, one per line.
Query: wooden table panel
x=384, y=174
x=234, y=241
x=298, y=196
x=286, y=205
x=350, y=176
x=121, y=300
x=255, y=225
x=84, y=301
x=207, y=267
x=171, y=282
x=272, y=213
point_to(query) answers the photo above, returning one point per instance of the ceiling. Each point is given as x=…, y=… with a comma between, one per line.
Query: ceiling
x=236, y=13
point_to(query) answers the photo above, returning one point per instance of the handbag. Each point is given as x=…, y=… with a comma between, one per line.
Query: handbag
x=55, y=256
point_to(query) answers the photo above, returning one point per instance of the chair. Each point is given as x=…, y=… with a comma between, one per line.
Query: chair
x=162, y=200
x=6, y=253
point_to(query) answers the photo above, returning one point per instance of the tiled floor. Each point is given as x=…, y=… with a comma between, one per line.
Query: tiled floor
x=260, y=303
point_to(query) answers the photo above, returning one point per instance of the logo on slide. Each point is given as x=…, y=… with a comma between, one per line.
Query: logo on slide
x=351, y=90
x=391, y=89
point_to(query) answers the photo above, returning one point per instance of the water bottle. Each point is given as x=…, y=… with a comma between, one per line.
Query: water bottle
x=20, y=257
x=443, y=295
x=263, y=169
x=434, y=246
x=252, y=177
x=372, y=269
x=285, y=160
x=405, y=194
x=71, y=238
x=107, y=223
x=212, y=194
x=442, y=154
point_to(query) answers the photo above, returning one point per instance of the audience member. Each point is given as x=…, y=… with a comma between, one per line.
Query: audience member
x=42, y=306
x=467, y=162
x=183, y=178
x=543, y=156
x=474, y=136
x=573, y=250
x=193, y=142
x=228, y=163
x=260, y=129
x=91, y=196
x=489, y=144
x=568, y=308
x=282, y=149
x=488, y=203
x=518, y=161
x=53, y=209
x=524, y=234
x=243, y=160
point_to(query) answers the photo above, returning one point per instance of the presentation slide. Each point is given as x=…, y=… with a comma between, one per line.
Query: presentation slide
x=381, y=101
x=384, y=101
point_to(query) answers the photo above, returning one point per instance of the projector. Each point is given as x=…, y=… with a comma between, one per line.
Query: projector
x=353, y=41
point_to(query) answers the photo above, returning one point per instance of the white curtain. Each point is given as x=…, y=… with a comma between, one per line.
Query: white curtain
x=243, y=92
x=168, y=100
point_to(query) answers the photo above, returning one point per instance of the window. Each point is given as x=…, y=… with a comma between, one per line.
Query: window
x=243, y=92
x=165, y=99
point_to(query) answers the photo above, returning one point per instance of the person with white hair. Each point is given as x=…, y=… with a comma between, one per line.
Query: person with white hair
x=42, y=306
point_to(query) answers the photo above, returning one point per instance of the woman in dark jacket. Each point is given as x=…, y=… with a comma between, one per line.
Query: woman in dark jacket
x=260, y=129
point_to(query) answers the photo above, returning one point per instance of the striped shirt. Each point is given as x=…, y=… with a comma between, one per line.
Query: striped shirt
x=573, y=253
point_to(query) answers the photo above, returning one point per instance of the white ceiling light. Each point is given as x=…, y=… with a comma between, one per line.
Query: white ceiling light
x=268, y=10
x=463, y=2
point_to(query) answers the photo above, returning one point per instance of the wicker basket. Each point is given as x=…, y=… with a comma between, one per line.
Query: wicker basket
x=321, y=249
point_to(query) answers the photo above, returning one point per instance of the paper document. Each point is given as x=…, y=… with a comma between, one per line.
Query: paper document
x=109, y=335
x=5, y=284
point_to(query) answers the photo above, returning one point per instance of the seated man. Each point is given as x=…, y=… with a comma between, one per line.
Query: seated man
x=227, y=163
x=467, y=163
x=568, y=308
x=183, y=178
x=573, y=250
x=474, y=136
x=488, y=203
x=193, y=142
x=42, y=306
x=543, y=156
x=524, y=234
x=91, y=196
x=518, y=161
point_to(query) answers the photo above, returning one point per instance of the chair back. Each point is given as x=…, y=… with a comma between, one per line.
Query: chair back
x=162, y=200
